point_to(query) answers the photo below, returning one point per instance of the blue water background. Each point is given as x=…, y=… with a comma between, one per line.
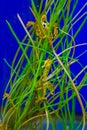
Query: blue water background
x=8, y=45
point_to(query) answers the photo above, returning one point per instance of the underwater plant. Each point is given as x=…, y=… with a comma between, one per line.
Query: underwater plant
x=41, y=83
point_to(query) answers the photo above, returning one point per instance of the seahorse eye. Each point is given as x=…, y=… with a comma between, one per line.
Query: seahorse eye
x=44, y=24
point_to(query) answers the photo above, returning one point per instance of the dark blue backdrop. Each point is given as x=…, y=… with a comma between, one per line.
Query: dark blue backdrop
x=8, y=45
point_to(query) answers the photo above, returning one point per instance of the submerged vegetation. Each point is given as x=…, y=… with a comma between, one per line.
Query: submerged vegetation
x=42, y=84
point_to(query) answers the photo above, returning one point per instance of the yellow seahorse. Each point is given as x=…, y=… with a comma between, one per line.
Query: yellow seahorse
x=43, y=84
x=7, y=95
x=43, y=33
